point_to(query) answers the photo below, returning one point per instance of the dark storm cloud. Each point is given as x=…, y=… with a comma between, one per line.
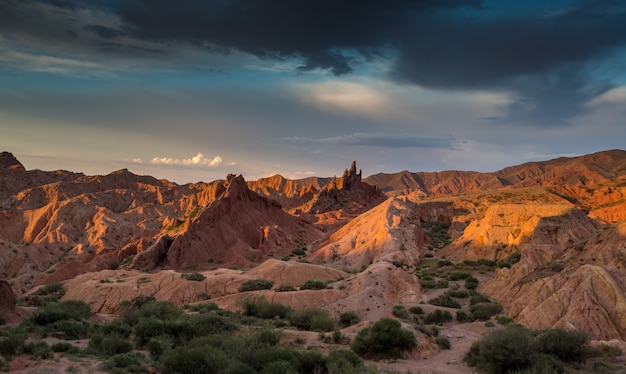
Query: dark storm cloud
x=546, y=57
x=315, y=31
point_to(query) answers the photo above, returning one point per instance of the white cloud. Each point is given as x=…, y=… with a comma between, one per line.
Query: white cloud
x=197, y=160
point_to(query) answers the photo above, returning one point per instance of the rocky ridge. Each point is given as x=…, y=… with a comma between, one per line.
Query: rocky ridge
x=562, y=220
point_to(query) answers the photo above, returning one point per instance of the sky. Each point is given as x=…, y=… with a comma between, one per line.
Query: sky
x=193, y=90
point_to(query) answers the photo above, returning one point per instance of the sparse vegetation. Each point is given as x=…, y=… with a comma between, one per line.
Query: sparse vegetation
x=384, y=339
x=349, y=318
x=195, y=276
x=516, y=349
x=400, y=311
x=255, y=285
x=312, y=319
x=438, y=316
x=314, y=284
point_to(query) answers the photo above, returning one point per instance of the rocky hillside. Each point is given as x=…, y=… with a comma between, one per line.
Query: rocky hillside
x=554, y=232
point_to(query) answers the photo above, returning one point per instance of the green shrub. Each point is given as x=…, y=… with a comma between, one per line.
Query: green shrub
x=65, y=310
x=51, y=292
x=267, y=337
x=461, y=294
x=384, y=339
x=504, y=320
x=258, y=306
x=285, y=288
x=478, y=298
x=443, y=342
x=203, y=308
x=108, y=345
x=456, y=275
x=503, y=350
x=567, y=345
x=298, y=252
x=471, y=283
x=438, y=316
x=484, y=311
x=70, y=329
x=11, y=343
x=400, y=311
x=416, y=310
x=61, y=347
x=255, y=285
x=39, y=350
x=159, y=345
x=445, y=300
x=195, y=276
x=546, y=364
x=312, y=319
x=163, y=310
x=485, y=262
x=344, y=362
x=118, y=328
x=462, y=316
x=130, y=362
x=349, y=318
x=314, y=284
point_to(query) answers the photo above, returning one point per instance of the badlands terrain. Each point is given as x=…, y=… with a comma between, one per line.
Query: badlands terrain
x=546, y=241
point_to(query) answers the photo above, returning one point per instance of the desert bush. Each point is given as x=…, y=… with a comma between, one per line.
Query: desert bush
x=255, y=285
x=471, y=283
x=163, y=310
x=11, y=342
x=485, y=262
x=51, y=292
x=503, y=350
x=484, y=311
x=159, y=345
x=195, y=276
x=298, y=252
x=462, y=316
x=344, y=362
x=416, y=310
x=461, y=294
x=65, y=310
x=38, y=350
x=445, y=300
x=314, y=284
x=438, y=316
x=349, y=318
x=267, y=337
x=443, y=342
x=567, y=345
x=456, y=275
x=384, y=339
x=70, y=329
x=400, y=311
x=605, y=350
x=258, y=306
x=201, y=359
x=130, y=362
x=203, y=308
x=285, y=288
x=109, y=345
x=476, y=298
x=312, y=319
x=504, y=320
x=61, y=347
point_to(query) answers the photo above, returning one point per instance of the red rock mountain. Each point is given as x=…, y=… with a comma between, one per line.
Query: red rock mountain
x=240, y=228
x=562, y=220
